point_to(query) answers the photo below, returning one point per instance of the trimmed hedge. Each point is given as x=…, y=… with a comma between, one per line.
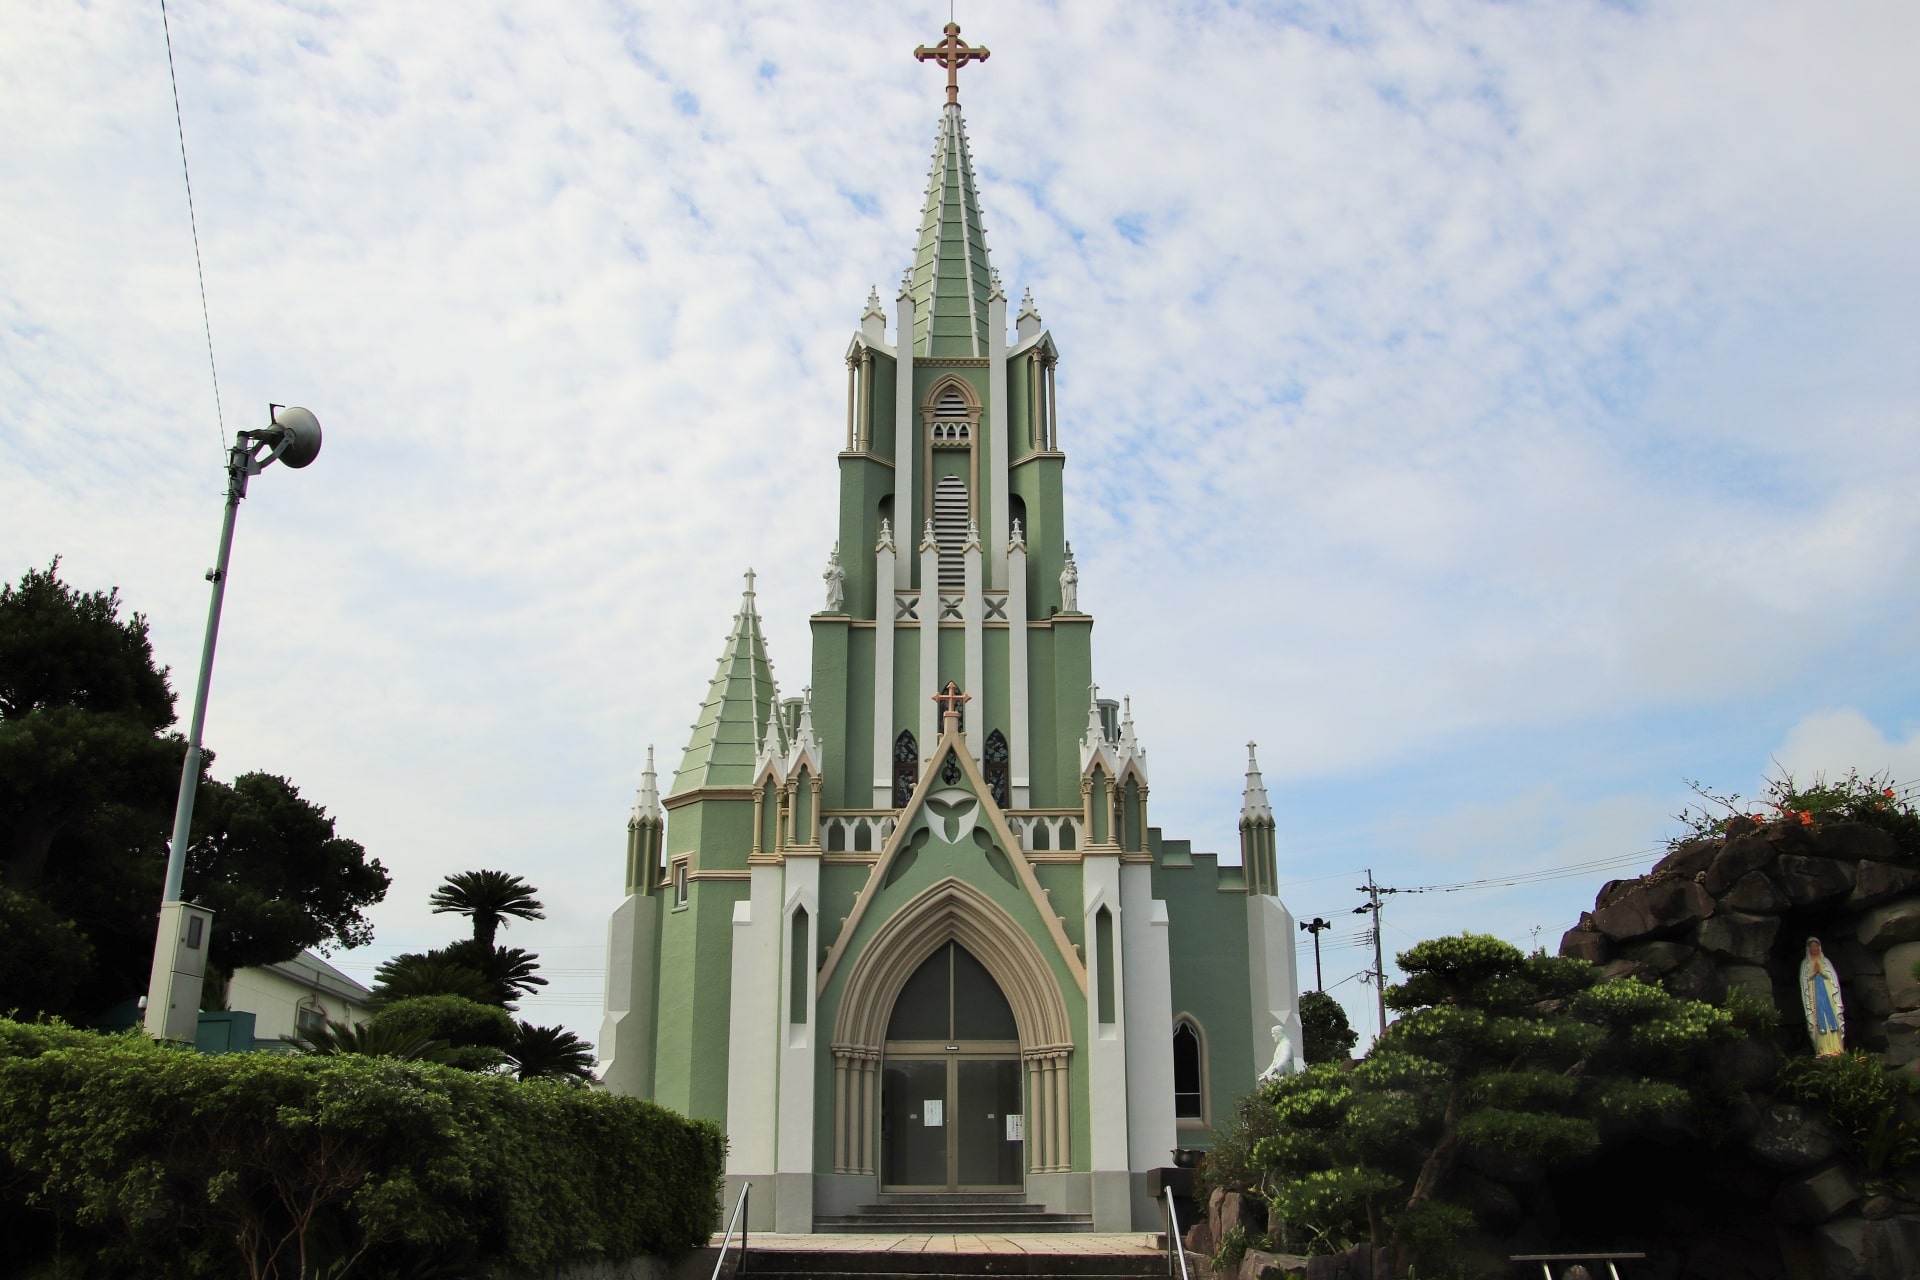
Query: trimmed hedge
x=140, y=1159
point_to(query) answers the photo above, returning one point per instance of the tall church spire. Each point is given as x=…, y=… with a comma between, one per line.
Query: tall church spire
x=726, y=737
x=951, y=279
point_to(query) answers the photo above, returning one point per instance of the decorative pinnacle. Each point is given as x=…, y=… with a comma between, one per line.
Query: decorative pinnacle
x=929, y=540
x=1253, y=804
x=873, y=304
x=886, y=535
x=973, y=536
x=952, y=53
x=1018, y=540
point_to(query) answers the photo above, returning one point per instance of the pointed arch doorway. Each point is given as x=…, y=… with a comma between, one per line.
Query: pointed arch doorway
x=951, y=1117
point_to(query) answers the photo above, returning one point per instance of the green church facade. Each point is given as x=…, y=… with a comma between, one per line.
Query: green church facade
x=827, y=877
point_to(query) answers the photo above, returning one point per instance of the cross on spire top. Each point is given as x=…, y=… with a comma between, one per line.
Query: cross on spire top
x=952, y=53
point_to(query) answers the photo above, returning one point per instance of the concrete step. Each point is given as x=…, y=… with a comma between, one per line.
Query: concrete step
x=867, y=1265
x=958, y=1225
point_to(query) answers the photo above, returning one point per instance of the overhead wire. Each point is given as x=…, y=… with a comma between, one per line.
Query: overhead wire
x=193, y=224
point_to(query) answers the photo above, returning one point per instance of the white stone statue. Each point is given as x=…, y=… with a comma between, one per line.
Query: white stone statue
x=1820, y=997
x=1070, y=585
x=1284, y=1063
x=836, y=580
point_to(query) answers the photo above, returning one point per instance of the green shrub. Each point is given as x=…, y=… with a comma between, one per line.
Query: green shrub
x=1862, y=1098
x=473, y=1035
x=172, y=1163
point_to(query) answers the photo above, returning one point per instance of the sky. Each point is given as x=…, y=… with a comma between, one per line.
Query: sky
x=1502, y=413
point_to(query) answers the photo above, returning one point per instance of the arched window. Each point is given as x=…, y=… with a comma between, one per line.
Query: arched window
x=996, y=767
x=1189, y=1073
x=906, y=768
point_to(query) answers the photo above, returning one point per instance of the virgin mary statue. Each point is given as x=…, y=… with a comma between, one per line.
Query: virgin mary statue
x=1820, y=997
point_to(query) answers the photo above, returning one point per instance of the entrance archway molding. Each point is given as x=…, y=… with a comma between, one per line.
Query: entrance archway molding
x=951, y=911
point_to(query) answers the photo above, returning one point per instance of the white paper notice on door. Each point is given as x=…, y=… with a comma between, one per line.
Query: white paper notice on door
x=934, y=1109
x=1016, y=1128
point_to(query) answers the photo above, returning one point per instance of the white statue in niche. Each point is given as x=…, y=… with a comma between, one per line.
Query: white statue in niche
x=1820, y=998
x=1284, y=1063
x=1070, y=585
x=836, y=580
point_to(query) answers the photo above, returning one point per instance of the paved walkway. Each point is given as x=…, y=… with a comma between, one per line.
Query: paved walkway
x=1062, y=1242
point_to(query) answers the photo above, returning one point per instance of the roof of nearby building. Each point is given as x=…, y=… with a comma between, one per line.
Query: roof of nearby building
x=310, y=971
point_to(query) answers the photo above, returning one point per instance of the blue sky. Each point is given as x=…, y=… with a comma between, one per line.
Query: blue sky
x=1501, y=413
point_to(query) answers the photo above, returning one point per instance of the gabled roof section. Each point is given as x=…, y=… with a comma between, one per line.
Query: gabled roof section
x=951, y=279
x=952, y=746
x=726, y=736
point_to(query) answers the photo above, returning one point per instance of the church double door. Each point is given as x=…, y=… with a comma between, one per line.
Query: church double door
x=951, y=1117
x=951, y=1123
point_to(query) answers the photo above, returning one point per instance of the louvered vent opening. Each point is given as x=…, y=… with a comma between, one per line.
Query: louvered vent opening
x=951, y=404
x=950, y=527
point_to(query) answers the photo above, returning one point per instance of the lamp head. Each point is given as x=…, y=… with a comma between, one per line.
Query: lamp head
x=295, y=434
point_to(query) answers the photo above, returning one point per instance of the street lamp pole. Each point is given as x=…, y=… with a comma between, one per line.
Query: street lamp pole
x=180, y=948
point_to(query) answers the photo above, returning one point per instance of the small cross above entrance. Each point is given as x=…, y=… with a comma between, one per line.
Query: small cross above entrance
x=950, y=699
x=952, y=53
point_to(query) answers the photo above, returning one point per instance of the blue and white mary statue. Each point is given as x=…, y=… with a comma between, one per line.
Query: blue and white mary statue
x=1820, y=997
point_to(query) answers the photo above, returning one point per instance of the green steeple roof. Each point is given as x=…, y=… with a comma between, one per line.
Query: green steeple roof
x=726, y=737
x=951, y=279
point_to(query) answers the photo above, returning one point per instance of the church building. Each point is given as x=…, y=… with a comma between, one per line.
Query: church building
x=912, y=932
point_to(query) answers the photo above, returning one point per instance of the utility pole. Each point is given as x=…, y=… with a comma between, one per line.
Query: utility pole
x=1314, y=927
x=1373, y=892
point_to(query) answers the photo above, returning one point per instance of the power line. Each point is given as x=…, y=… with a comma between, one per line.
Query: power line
x=193, y=223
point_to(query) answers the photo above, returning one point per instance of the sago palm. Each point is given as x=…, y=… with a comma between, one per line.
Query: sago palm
x=487, y=898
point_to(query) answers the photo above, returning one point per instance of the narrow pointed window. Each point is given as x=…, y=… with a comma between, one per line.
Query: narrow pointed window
x=1189, y=1088
x=996, y=770
x=906, y=768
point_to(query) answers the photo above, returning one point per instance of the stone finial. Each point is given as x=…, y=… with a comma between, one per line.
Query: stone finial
x=873, y=321
x=929, y=540
x=770, y=744
x=646, y=797
x=1017, y=540
x=993, y=280
x=1130, y=748
x=1094, y=740
x=1027, y=324
x=886, y=536
x=906, y=284
x=973, y=537
x=1253, y=803
x=806, y=742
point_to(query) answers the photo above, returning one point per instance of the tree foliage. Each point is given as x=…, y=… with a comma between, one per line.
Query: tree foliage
x=160, y=1162
x=278, y=878
x=474, y=1036
x=550, y=1052
x=88, y=777
x=489, y=899
x=1327, y=1035
x=1497, y=1052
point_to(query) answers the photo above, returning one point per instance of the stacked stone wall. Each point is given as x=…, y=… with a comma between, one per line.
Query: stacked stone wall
x=1736, y=912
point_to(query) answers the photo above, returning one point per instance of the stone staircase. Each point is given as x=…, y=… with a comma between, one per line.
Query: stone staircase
x=874, y=1265
x=982, y=1213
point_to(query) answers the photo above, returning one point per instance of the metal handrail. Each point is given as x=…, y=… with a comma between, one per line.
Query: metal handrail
x=739, y=1209
x=1176, y=1247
